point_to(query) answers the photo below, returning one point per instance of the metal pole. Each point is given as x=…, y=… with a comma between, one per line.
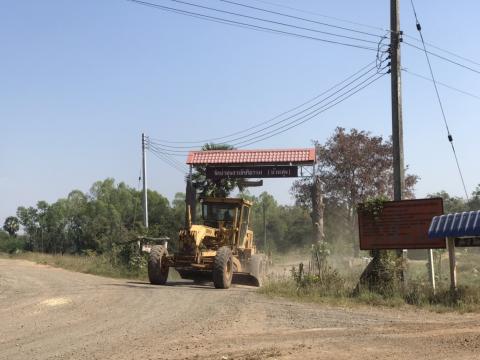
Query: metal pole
x=397, y=118
x=431, y=269
x=144, y=178
x=453, y=263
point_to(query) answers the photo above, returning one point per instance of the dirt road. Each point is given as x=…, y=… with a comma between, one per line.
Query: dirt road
x=48, y=313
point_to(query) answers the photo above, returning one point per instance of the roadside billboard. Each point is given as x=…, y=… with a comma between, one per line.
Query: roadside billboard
x=400, y=225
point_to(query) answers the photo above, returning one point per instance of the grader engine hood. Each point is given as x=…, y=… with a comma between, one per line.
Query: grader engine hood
x=201, y=236
x=198, y=232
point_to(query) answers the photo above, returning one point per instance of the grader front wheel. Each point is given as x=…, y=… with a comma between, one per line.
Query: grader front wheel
x=223, y=268
x=157, y=265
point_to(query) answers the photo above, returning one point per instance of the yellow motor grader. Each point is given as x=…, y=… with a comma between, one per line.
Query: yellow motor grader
x=220, y=248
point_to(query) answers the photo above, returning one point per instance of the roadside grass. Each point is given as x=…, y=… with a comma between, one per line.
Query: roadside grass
x=465, y=299
x=338, y=290
x=101, y=265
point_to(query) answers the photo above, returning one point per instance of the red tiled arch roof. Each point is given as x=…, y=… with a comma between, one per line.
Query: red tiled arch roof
x=251, y=157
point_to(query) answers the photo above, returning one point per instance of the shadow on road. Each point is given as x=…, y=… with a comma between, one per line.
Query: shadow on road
x=178, y=284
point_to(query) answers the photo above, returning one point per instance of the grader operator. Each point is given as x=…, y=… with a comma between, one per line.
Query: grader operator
x=220, y=248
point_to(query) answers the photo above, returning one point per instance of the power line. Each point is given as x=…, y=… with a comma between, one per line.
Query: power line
x=166, y=160
x=219, y=21
x=165, y=156
x=272, y=21
x=298, y=121
x=266, y=128
x=444, y=50
x=323, y=15
x=180, y=164
x=322, y=110
x=450, y=137
x=168, y=153
x=229, y=137
x=251, y=26
x=201, y=142
x=441, y=57
x=279, y=130
x=441, y=83
x=429, y=44
x=299, y=18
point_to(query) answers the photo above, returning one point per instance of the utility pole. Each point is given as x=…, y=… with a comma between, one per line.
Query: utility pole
x=144, y=178
x=397, y=118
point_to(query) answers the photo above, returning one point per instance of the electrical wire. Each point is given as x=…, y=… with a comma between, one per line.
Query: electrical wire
x=171, y=154
x=450, y=137
x=163, y=158
x=322, y=15
x=225, y=22
x=272, y=21
x=316, y=113
x=442, y=57
x=342, y=97
x=375, y=28
x=266, y=128
x=444, y=50
x=299, y=18
x=166, y=156
x=242, y=24
x=229, y=137
x=442, y=84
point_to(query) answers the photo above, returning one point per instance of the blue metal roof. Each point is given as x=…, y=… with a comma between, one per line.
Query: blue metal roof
x=455, y=225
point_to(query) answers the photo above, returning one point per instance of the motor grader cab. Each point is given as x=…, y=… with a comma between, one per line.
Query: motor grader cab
x=219, y=248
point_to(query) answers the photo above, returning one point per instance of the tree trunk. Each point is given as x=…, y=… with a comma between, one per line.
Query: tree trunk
x=190, y=200
x=356, y=240
x=317, y=211
x=379, y=275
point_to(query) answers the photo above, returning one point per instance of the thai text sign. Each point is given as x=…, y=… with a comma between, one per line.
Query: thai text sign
x=251, y=172
x=400, y=225
x=467, y=241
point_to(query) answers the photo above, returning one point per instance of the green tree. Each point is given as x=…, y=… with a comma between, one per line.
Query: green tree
x=451, y=204
x=287, y=227
x=11, y=225
x=474, y=203
x=213, y=187
x=353, y=166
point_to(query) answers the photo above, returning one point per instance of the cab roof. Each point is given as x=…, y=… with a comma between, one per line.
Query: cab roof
x=220, y=200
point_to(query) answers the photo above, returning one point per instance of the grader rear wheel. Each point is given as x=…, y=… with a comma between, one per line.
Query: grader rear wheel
x=223, y=268
x=157, y=265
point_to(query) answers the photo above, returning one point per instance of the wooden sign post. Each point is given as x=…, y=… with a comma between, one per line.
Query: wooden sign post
x=453, y=263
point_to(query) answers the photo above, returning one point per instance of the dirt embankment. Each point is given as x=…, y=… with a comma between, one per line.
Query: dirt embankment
x=48, y=313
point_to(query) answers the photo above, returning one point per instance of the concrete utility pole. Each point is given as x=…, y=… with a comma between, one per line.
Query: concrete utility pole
x=397, y=118
x=144, y=178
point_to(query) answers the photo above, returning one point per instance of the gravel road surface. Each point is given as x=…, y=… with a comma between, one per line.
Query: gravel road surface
x=49, y=313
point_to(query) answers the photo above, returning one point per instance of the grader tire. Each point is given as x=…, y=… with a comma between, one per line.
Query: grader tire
x=157, y=266
x=223, y=268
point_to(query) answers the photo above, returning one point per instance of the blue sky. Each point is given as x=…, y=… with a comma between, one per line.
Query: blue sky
x=81, y=80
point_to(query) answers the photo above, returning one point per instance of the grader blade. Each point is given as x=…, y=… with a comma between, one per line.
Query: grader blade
x=244, y=278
